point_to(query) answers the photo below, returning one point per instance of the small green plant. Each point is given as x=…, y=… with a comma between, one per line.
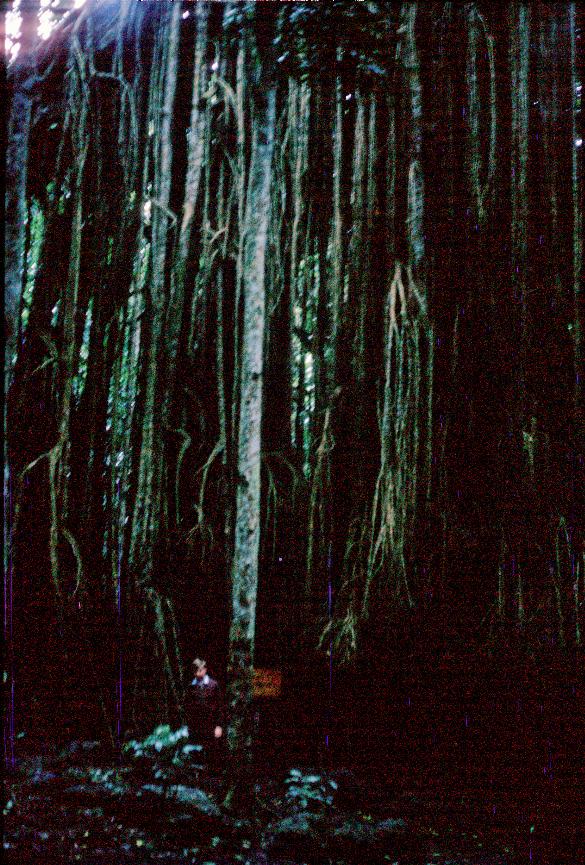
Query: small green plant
x=161, y=738
x=308, y=790
x=164, y=753
x=110, y=780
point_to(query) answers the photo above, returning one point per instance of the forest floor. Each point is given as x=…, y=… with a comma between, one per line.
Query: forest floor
x=77, y=806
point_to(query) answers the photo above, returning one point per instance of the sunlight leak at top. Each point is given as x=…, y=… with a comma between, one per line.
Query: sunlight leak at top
x=50, y=13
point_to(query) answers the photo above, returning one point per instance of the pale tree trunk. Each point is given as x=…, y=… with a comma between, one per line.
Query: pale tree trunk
x=247, y=516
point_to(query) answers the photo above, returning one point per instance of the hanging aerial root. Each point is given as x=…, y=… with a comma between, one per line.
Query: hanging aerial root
x=405, y=413
x=561, y=535
x=185, y=445
x=317, y=492
x=201, y=524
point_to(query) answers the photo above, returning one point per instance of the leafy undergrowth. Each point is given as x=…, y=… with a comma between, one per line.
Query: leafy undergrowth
x=162, y=805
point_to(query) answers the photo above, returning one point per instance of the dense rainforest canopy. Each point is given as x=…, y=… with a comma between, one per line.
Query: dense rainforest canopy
x=294, y=358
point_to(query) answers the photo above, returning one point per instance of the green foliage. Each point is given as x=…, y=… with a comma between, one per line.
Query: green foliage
x=164, y=752
x=308, y=790
x=163, y=741
x=109, y=780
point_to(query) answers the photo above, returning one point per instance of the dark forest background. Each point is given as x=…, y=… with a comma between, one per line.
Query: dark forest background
x=387, y=197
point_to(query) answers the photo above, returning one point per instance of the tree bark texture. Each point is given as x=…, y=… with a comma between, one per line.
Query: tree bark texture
x=247, y=517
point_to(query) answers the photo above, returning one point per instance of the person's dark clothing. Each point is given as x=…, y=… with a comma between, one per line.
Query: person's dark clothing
x=204, y=710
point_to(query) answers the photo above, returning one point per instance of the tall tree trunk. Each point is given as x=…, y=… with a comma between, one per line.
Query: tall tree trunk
x=195, y=153
x=413, y=98
x=519, y=62
x=247, y=517
x=147, y=511
x=149, y=506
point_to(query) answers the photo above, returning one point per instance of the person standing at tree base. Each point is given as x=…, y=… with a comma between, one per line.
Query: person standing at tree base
x=204, y=712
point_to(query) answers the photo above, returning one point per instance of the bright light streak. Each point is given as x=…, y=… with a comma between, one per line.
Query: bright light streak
x=47, y=22
x=12, y=31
